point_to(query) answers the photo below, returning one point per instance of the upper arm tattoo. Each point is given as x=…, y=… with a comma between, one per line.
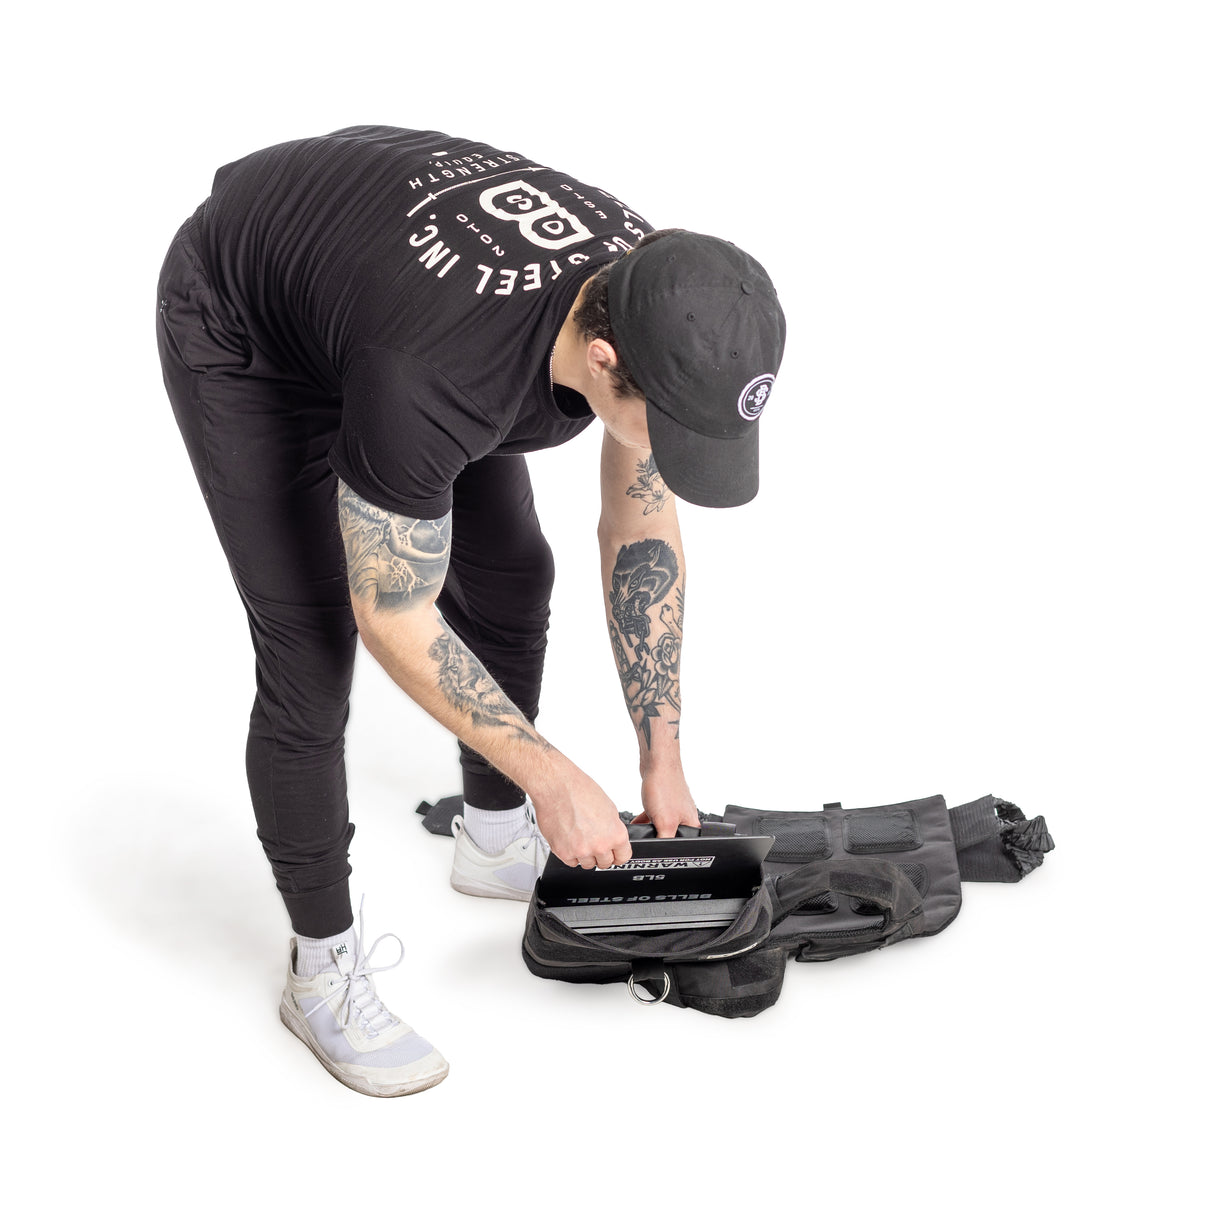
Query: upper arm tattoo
x=392, y=561
x=649, y=487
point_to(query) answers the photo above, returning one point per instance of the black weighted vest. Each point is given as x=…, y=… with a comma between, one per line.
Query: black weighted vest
x=836, y=882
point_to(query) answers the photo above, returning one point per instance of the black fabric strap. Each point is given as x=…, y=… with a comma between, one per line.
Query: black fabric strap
x=995, y=842
x=646, y=830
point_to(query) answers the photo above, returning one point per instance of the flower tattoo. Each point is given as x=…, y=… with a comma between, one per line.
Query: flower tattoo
x=649, y=488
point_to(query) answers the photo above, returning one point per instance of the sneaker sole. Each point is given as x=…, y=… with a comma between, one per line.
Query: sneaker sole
x=485, y=889
x=363, y=1083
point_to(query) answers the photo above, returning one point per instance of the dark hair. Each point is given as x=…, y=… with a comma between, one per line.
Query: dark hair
x=593, y=319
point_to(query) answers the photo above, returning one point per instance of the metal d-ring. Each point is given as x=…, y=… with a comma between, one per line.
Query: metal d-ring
x=632, y=990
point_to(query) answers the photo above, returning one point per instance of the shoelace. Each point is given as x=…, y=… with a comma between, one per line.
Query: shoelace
x=357, y=991
x=541, y=850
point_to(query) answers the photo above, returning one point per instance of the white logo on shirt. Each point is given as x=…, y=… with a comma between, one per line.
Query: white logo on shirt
x=541, y=220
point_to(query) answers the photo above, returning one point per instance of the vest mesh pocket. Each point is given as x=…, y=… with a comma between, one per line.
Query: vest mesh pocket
x=866, y=834
x=918, y=875
x=823, y=904
x=799, y=839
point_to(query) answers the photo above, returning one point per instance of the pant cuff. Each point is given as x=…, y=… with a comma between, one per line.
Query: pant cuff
x=321, y=912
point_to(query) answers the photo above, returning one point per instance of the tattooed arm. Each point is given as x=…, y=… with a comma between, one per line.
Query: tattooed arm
x=396, y=567
x=643, y=584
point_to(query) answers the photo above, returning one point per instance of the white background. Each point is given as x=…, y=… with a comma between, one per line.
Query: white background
x=978, y=564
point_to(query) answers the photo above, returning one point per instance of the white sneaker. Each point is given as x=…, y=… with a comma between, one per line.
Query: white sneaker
x=341, y=1019
x=508, y=874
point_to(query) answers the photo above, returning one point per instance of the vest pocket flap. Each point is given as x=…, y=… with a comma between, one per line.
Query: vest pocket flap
x=878, y=884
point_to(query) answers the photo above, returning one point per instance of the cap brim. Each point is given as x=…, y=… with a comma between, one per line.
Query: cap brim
x=704, y=471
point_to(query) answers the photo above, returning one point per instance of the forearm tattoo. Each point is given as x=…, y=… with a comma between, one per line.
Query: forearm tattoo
x=646, y=575
x=470, y=688
x=391, y=561
x=649, y=486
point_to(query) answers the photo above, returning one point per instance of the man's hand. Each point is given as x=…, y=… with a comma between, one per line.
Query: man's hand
x=579, y=821
x=396, y=567
x=667, y=802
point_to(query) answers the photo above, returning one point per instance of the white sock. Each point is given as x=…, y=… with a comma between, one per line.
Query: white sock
x=493, y=830
x=313, y=956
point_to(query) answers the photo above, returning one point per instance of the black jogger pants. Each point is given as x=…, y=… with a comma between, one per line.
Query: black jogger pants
x=258, y=438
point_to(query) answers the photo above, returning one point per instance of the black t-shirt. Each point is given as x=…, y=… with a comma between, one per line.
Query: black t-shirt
x=420, y=280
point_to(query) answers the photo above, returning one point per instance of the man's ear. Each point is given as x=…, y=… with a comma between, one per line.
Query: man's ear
x=600, y=357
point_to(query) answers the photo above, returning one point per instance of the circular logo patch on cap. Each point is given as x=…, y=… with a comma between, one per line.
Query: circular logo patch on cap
x=754, y=396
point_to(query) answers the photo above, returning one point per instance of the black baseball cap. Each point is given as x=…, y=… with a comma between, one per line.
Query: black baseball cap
x=697, y=322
